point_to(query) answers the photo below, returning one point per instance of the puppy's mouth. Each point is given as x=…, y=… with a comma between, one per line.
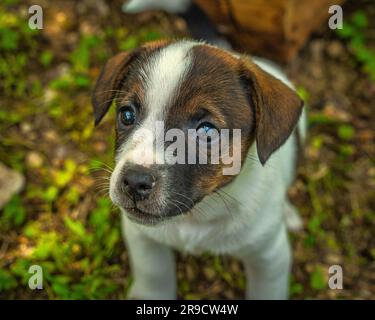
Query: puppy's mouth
x=141, y=217
x=136, y=213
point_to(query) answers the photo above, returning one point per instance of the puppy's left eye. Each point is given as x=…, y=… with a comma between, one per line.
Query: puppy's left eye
x=207, y=130
x=127, y=115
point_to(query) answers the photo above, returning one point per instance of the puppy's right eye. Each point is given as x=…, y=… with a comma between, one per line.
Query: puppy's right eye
x=127, y=115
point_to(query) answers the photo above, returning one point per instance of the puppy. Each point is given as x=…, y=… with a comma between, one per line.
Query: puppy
x=195, y=207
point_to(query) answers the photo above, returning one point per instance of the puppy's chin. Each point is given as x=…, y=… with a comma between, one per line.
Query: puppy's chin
x=148, y=219
x=144, y=218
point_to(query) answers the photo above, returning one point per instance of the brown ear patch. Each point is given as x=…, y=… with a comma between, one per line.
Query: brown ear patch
x=277, y=108
x=112, y=75
x=108, y=82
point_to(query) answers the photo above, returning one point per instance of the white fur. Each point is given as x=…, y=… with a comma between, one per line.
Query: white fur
x=248, y=223
x=164, y=74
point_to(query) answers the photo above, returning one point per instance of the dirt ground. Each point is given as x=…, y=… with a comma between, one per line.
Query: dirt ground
x=63, y=219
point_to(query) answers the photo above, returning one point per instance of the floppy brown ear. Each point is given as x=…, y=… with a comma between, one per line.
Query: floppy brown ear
x=277, y=108
x=113, y=74
x=108, y=82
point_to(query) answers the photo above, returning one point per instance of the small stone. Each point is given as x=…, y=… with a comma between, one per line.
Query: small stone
x=26, y=127
x=11, y=182
x=61, y=152
x=50, y=135
x=34, y=159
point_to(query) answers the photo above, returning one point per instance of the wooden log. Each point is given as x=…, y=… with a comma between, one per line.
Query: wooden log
x=276, y=29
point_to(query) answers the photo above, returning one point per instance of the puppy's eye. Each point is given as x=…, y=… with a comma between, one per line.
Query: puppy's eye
x=207, y=131
x=127, y=115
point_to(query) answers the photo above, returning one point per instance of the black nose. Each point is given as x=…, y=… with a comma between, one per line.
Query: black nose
x=138, y=183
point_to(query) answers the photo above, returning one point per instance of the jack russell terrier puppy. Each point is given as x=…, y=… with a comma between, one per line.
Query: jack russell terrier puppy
x=194, y=207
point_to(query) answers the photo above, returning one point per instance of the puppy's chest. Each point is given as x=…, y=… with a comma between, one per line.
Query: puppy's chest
x=220, y=236
x=191, y=237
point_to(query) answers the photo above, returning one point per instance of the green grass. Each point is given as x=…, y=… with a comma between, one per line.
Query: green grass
x=353, y=31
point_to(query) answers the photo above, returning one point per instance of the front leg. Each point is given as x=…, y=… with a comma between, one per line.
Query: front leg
x=267, y=271
x=152, y=265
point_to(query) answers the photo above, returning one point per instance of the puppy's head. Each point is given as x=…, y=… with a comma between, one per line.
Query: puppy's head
x=188, y=87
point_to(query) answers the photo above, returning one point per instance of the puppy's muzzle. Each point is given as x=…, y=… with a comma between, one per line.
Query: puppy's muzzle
x=138, y=183
x=138, y=191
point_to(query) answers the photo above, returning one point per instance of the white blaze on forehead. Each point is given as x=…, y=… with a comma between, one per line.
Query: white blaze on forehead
x=164, y=74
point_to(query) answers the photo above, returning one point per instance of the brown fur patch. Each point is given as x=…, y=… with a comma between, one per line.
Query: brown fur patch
x=113, y=74
x=277, y=108
x=213, y=84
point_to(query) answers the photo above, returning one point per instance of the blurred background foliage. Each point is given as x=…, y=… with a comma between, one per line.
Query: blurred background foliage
x=63, y=219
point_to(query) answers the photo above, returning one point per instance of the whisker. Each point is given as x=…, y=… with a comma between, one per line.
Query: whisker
x=176, y=207
x=94, y=170
x=229, y=196
x=223, y=200
x=100, y=163
x=186, y=197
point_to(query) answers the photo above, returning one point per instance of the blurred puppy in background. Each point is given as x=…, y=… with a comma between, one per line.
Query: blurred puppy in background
x=199, y=25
